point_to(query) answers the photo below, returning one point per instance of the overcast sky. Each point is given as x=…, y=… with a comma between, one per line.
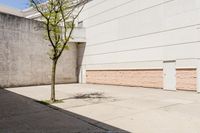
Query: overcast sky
x=19, y=4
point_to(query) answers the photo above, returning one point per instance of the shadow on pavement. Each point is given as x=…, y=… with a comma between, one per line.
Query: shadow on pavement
x=93, y=95
x=20, y=114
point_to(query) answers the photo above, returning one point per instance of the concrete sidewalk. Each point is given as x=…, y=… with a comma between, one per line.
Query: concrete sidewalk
x=134, y=109
x=19, y=114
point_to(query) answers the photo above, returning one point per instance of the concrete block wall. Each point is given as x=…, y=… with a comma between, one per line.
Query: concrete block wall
x=153, y=78
x=23, y=55
x=186, y=79
x=139, y=78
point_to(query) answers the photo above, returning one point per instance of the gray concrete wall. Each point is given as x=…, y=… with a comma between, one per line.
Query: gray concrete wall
x=23, y=55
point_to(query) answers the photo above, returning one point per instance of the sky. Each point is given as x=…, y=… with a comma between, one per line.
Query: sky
x=19, y=4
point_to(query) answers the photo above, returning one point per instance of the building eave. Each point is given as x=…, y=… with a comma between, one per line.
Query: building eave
x=10, y=10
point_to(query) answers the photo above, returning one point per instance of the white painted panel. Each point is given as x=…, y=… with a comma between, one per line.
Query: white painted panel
x=167, y=53
x=198, y=75
x=104, y=6
x=129, y=56
x=132, y=8
x=141, y=34
x=169, y=75
x=82, y=75
x=144, y=23
x=174, y=37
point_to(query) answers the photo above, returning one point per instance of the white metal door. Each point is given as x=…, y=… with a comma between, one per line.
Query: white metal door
x=169, y=75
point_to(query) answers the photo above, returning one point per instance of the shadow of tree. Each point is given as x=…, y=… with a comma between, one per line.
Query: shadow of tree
x=93, y=95
x=20, y=114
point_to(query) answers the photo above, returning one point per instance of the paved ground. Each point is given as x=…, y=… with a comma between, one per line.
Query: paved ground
x=137, y=110
x=19, y=114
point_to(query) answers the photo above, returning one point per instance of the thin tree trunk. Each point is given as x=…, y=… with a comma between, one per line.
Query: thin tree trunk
x=53, y=80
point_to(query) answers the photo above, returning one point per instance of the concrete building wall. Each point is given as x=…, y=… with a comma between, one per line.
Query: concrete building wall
x=23, y=55
x=141, y=34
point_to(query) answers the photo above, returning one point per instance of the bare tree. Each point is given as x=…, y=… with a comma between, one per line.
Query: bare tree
x=59, y=18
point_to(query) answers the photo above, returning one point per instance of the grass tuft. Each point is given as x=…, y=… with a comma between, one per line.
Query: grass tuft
x=49, y=102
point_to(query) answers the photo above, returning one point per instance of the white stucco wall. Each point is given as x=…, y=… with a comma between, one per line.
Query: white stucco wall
x=141, y=33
